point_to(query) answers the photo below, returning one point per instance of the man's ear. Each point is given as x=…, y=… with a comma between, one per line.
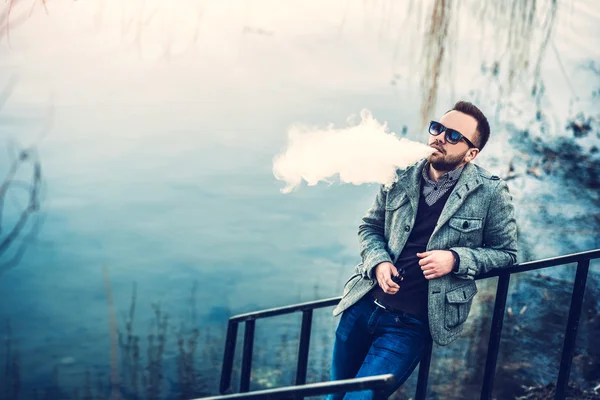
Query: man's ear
x=472, y=153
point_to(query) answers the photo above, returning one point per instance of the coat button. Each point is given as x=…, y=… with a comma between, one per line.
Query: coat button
x=466, y=224
x=407, y=228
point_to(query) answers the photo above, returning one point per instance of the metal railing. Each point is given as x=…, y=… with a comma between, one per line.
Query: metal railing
x=379, y=384
x=301, y=389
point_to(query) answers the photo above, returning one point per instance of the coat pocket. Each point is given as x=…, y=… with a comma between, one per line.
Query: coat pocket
x=466, y=224
x=458, y=305
x=466, y=231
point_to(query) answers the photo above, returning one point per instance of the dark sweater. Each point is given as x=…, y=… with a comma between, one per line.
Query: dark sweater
x=412, y=296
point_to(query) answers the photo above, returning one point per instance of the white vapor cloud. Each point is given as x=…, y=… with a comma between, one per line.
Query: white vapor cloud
x=361, y=153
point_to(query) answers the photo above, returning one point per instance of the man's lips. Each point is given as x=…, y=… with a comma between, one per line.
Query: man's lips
x=438, y=149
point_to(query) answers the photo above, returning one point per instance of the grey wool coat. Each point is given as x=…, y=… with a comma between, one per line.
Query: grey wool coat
x=478, y=222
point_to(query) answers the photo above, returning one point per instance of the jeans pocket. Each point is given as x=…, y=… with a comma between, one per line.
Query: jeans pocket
x=410, y=322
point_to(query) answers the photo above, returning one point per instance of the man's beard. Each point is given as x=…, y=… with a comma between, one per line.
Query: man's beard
x=445, y=163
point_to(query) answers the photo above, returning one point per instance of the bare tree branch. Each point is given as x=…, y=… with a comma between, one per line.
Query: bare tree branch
x=23, y=156
x=26, y=241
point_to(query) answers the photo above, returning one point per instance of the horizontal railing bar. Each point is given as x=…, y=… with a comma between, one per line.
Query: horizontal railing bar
x=378, y=382
x=286, y=309
x=516, y=268
x=545, y=263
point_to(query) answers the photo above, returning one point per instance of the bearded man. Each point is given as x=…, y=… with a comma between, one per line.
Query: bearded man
x=422, y=242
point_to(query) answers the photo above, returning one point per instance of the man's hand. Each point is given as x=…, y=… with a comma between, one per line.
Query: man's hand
x=384, y=272
x=436, y=263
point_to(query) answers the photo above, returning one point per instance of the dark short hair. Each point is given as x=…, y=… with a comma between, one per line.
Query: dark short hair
x=483, y=126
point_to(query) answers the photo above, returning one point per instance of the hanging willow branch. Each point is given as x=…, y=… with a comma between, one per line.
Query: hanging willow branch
x=11, y=16
x=436, y=41
x=518, y=26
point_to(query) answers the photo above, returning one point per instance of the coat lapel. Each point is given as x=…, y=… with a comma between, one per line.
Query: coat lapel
x=410, y=183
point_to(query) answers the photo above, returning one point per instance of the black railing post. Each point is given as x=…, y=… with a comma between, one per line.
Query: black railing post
x=421, y=393
x=228, y=354
x=303, y=347
x=572, y=325
x=495, y=334
x=247, y=355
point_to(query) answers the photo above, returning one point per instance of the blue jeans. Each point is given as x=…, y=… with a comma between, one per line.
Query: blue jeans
x=372, y=341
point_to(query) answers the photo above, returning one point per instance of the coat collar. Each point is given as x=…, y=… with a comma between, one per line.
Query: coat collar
x=409, y=181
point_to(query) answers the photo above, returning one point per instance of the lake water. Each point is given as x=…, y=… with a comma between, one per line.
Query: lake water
x=158, y=163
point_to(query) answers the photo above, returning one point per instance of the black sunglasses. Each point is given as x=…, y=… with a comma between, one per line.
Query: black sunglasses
x=452, y=136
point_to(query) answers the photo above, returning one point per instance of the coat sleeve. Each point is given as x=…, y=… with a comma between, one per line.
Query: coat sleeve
x=499, y=238
x=371, y=236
